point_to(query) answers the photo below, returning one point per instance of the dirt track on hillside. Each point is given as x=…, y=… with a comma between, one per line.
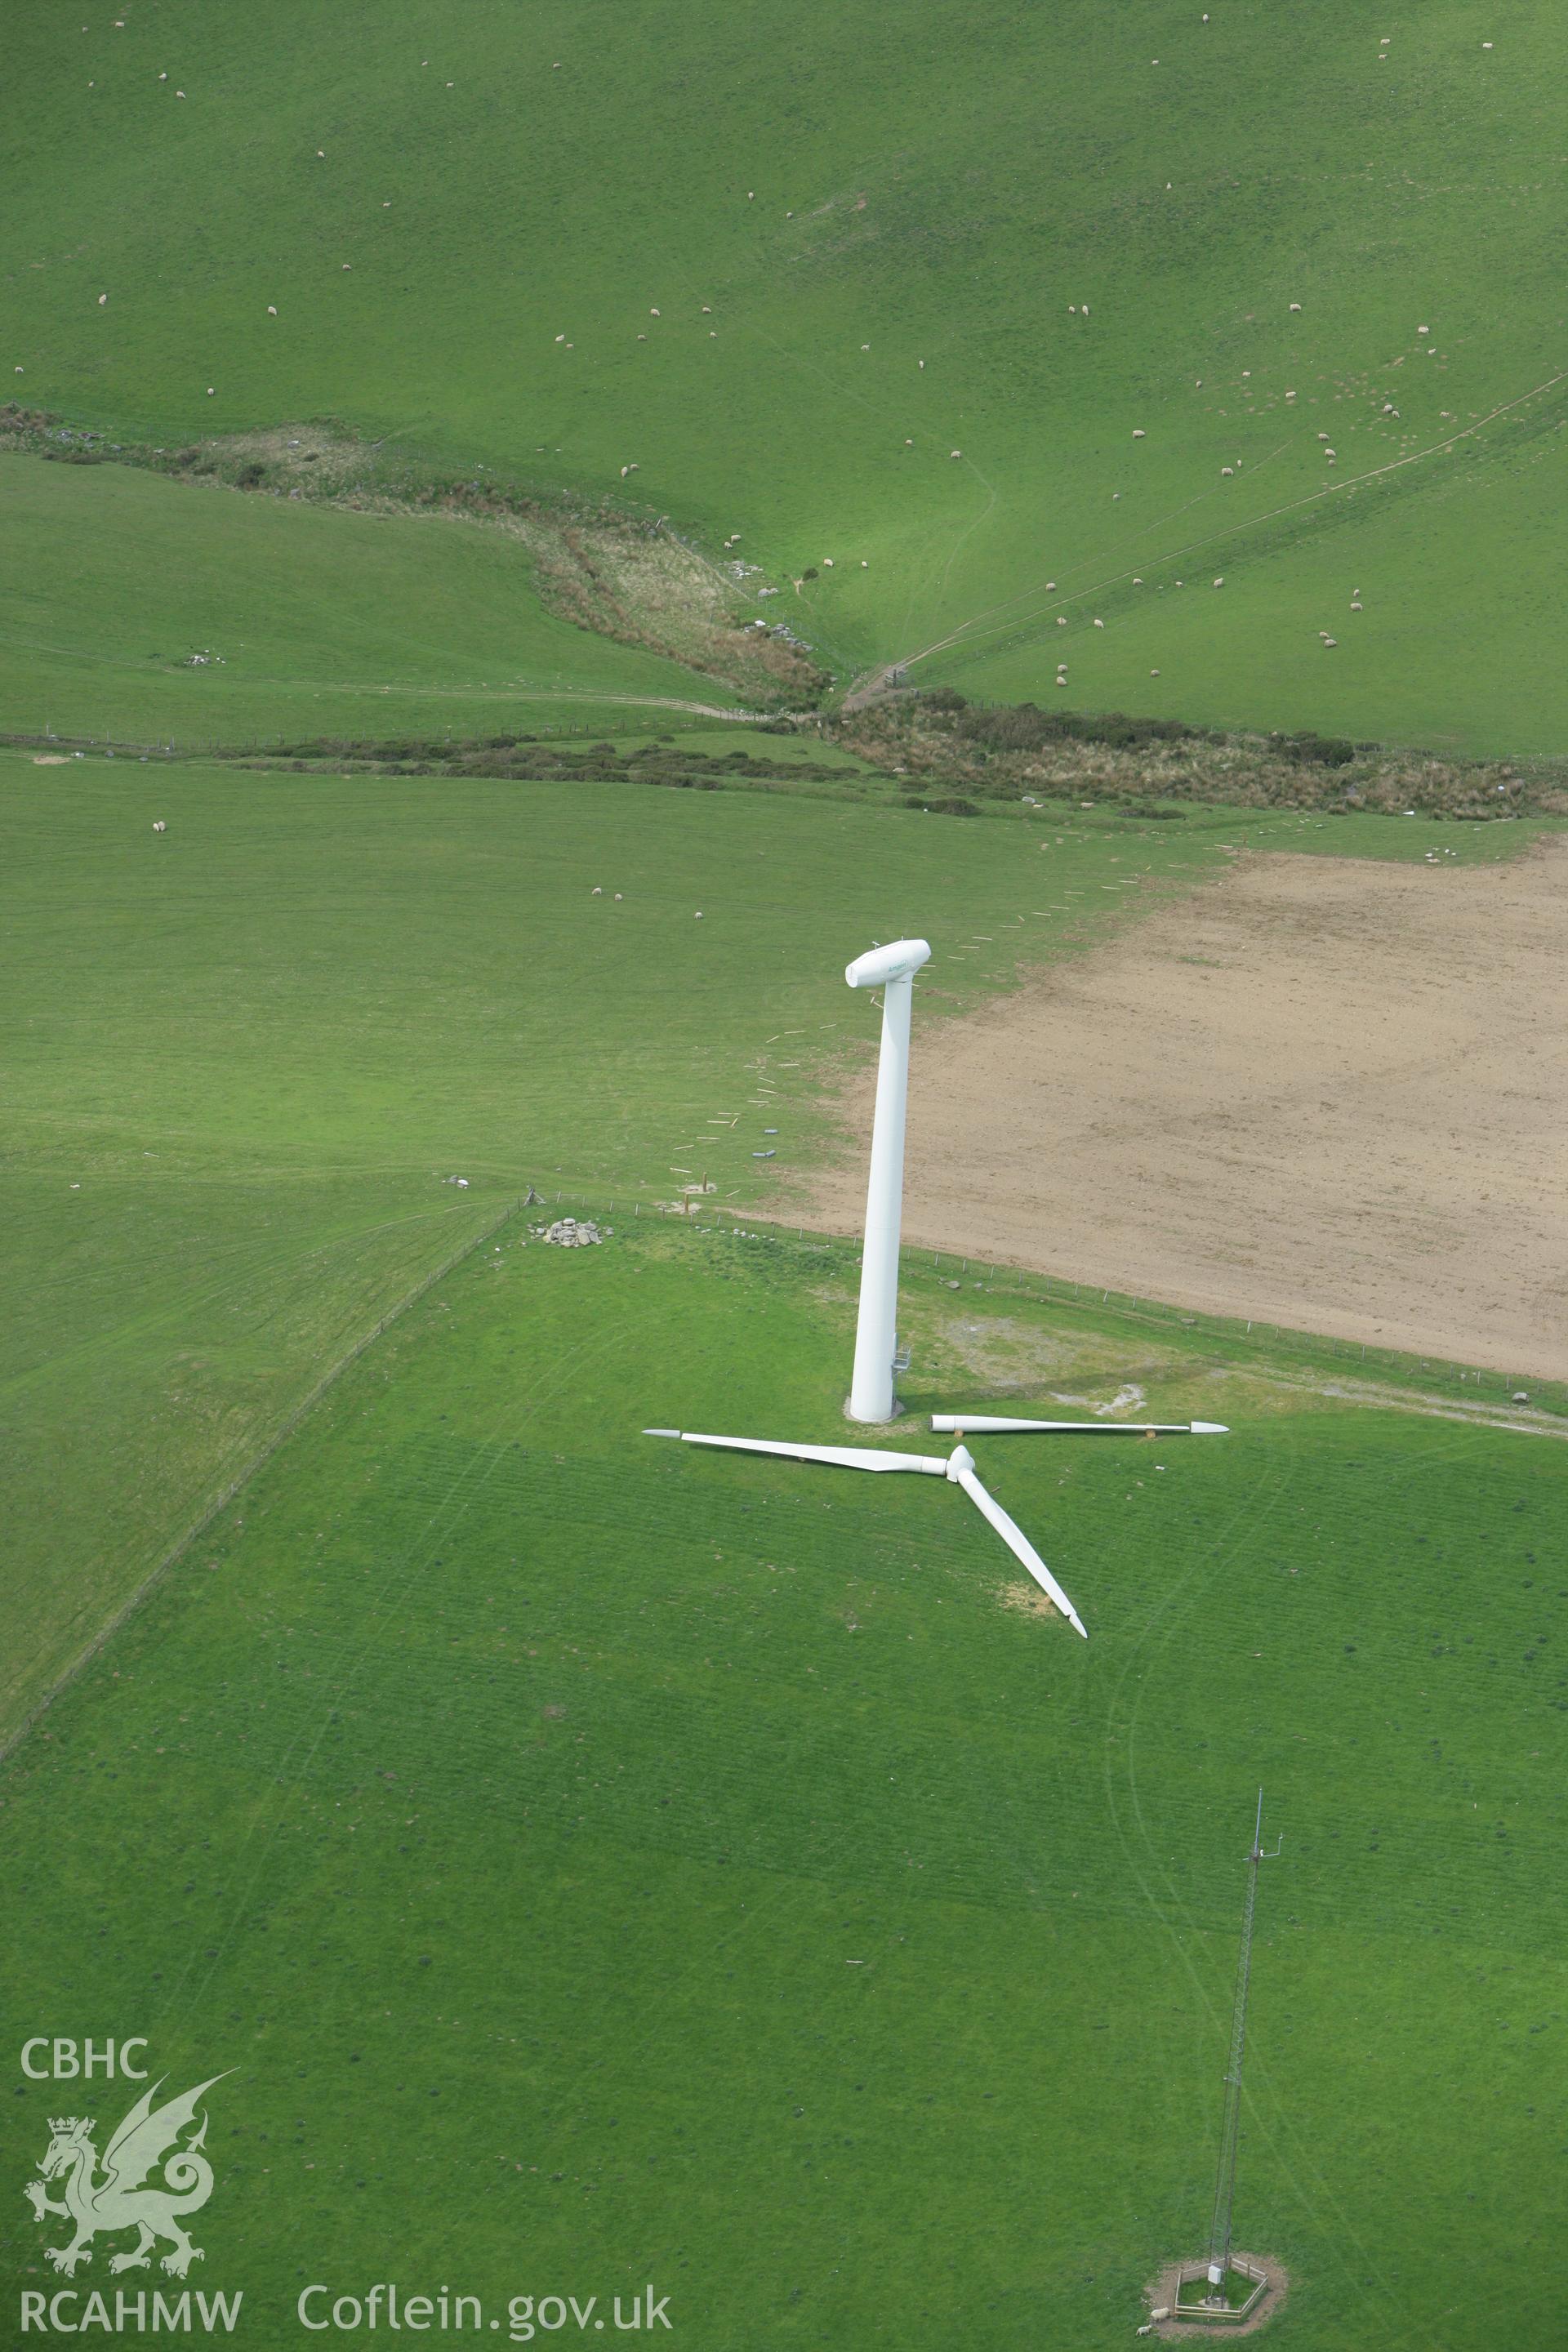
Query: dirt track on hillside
x=1323, y=1092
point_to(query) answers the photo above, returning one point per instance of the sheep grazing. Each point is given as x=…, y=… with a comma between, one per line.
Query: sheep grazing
x=159, y=826
x=1061, y=620
x=653, y=314
x=955, y=453
x=1295, y=306
x=1227, y=469
x=101, y=301
x=1100, y=624
x=1355, y=605
x=1139, y=434
x=1050, y=584
x=1137, y=582
x=1220, y=582
x=597, y=892
x=272, y=310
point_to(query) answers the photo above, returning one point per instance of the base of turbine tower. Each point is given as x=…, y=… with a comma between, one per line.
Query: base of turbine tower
x=883, y=1422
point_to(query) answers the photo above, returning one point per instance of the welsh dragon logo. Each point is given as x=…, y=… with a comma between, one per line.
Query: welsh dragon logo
x=119, y=2198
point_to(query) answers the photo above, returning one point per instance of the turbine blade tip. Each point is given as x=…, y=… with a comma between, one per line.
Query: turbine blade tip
x=661, y=1433
x=1210, y=1429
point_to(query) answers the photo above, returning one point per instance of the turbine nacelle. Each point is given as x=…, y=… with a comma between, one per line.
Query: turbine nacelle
x=879, y=966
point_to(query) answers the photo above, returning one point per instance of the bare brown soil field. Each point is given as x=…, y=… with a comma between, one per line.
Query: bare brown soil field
x=1320, y=1092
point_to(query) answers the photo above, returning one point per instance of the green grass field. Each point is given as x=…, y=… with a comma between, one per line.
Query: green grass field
x=585, y=1889
x=1250, y=239
x=247, y=1052
x=323, y=623
x=604, y=1863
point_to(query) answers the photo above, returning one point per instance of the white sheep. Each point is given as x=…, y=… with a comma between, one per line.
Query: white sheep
x=1100, y=624
x=1220, y=582
x=1139, y=434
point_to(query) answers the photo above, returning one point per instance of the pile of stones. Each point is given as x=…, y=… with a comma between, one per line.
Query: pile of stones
x=566, y=1233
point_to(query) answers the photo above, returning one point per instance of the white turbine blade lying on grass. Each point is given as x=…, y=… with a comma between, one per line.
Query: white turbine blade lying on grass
x=846, y=1457
x=958, y=1469
x=988, y=1422
x=1013, y=1536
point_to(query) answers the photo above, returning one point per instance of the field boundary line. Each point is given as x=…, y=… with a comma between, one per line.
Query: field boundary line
x=176, y=1552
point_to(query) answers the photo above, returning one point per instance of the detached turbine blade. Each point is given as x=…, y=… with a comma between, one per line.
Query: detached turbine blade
x=988, y=1423
x=847, y=1457
x=1017, y=1543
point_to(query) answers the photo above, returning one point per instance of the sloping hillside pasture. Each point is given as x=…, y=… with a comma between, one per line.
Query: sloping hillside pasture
x=138, y=610
x=603, y=1862
x=557, y=244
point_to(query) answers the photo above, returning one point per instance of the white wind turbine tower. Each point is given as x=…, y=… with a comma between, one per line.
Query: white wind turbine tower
x=892, y=969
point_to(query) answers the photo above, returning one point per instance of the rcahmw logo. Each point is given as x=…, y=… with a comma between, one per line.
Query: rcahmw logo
x=151, y=2176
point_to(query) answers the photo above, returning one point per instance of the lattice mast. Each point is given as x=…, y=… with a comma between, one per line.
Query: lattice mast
x=1230, y=2130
